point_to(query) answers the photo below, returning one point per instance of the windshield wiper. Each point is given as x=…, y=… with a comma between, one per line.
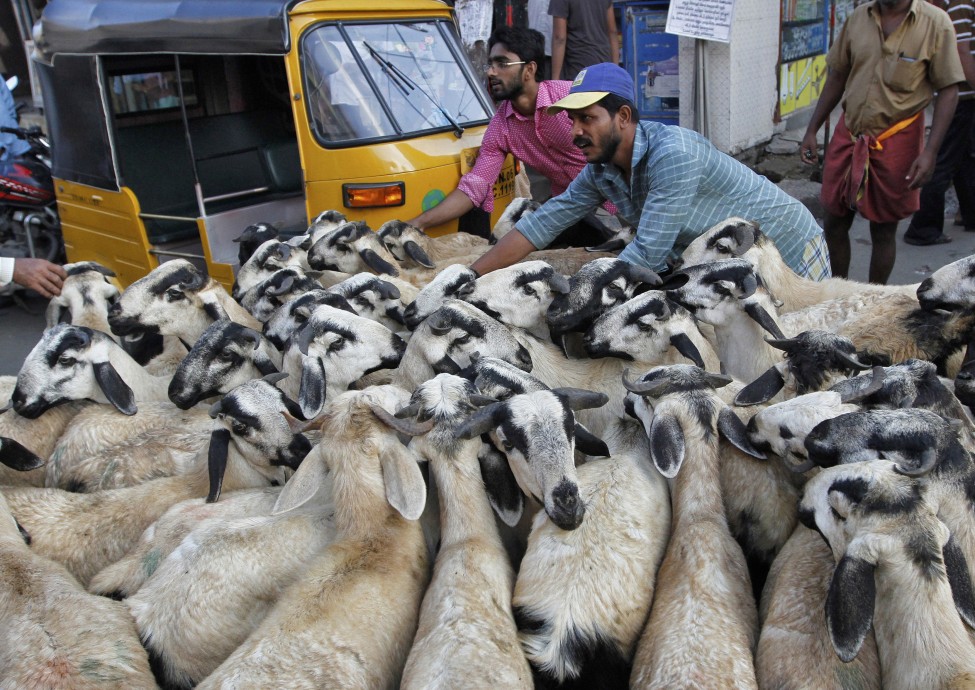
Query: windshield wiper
x=402, y=81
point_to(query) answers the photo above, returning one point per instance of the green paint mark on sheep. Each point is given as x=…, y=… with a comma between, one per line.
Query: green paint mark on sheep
x=93, y=669
x=151, y=562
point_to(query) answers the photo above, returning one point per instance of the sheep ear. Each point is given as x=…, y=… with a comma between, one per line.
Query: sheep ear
x=415, y=252
x=849, y=606
x=761, y=389
x=686, y=347
x=217, y=462
x=480, y=422
x=16, y=457
x=308, y=479
x=503, y=492
x=956, y=566
x=764, y=319
x=666, y=444
x=311, y=393
x=377, y=263
x=114, y=388
x=405, y=489
x=733, y=429
x=590, y=444
x=215, y=311
x=265, y=366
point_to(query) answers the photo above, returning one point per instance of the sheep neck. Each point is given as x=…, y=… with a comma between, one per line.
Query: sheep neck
x=465, y=512
x=358, y=493
x=145, y=386
x=742, y=347
x=234, y=311
x=696, y=490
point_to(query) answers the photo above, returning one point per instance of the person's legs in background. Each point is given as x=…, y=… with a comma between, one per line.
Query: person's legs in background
x=836, y=230
x=884, y=253
x=964, y=180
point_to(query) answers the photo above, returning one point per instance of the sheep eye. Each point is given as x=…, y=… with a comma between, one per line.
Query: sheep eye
x=239, y=428
x=614, y=290
x=227, y=356
x=836, y=515
x=644, y=326
x=342, y=248
x=463, y=340
x=174, y=295
x=337, y=344
x=529, y=290
x=66, y=361
x=507, y=445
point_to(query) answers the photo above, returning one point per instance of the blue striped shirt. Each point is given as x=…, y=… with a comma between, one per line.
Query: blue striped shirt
x=680, y=187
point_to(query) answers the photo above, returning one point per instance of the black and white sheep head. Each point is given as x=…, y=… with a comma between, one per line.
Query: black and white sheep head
x=337, y=349
x=264, y=428
x=445, y=341
x=284, y=321
x=351, y=248
x=227, y=355
x=454, y=281
x=676, y=402
x=270, y=257
x=782, y=428
x=875, y=519
x=515, y=211
x=951, y=287
x=71, y=363
x=324, y=223
x=251, y=239
x=275, y=290
x=814, y=360
x=407, y=243
x=644, y=328
x=965, y=380
x=598, y=286
x=717, y=293
x=536, y=431
x=519, y=295
x=86, y=292
x=918, y=440
x=731, y=238
x=176, y=298
x=360, y=443
x=373, y=298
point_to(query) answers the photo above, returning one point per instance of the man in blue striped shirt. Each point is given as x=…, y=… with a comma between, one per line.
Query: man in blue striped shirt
x=670, y=183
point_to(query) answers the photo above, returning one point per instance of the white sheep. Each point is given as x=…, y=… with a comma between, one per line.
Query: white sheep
x=351, y=616
x=56, y=635
x=895, y=571
x=703, y=625
x=270, y=256
x=352, y=247
x=518, y=295
x=467, y=634
x=740, y=238
x=409, y=244
x=252, y=445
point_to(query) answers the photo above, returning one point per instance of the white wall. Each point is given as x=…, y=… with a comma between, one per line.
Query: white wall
x=740, y=78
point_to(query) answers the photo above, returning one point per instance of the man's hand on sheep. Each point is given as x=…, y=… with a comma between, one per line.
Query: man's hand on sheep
x=39, y=275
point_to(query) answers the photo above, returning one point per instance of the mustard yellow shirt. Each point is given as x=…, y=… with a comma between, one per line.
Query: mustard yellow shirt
x=890, y=80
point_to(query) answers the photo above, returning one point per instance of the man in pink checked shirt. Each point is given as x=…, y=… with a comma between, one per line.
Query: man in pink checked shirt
x=522, y=127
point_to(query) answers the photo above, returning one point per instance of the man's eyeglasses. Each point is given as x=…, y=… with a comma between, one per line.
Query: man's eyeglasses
x=503, y=63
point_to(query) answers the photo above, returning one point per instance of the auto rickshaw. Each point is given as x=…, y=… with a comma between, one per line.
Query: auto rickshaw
x=177, y=123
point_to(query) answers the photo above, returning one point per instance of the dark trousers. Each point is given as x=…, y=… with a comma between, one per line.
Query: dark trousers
x=956, y=165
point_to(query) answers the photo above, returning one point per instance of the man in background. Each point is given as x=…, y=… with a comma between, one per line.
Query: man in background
x=39, y=275
x=583, y=34
x=955, y=163
x=888, y=62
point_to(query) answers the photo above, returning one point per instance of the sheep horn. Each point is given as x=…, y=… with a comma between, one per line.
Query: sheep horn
x=800, y=468
x=481, y=400
x=410, y=410
x=929, y=458
x=284, y=287
x=305, y=336
x=717, y=380
x=764, y=319
x=410, y=428
x=782, y=343
x=651, y=388
x=275, y=377
x=852, y=361
x=377, y=263
x=748, y=285
x=613, y=245
x=283, y=251
x=197, y=281
x=386, y=289
x=865, y=391
x=581, y=399
x=643, y=275
x=438, y=324
x=251, y=336
x=745, y=237
x=215, y=409
x=480, y=422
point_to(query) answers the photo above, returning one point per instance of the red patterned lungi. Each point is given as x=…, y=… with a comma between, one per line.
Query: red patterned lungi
x=869, y=174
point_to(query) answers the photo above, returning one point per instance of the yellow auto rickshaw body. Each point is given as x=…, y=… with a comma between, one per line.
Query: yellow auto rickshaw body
x=171, y=135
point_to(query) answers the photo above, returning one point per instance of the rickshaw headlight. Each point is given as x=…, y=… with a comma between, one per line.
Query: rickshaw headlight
x=373, y=195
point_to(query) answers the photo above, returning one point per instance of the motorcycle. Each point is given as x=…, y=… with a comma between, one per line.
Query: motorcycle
x=29, y=223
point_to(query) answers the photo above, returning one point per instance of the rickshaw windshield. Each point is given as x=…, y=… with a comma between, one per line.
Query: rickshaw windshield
x=387, y=81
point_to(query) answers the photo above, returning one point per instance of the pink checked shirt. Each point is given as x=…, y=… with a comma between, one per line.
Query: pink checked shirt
x=544, y=142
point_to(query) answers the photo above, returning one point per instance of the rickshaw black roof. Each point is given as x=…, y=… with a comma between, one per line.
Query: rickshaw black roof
x=93, y=27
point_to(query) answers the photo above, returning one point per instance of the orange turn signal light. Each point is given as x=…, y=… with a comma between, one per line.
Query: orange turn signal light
x=374, y=195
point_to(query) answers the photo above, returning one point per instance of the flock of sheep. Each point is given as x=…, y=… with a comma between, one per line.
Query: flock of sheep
x=367, y=468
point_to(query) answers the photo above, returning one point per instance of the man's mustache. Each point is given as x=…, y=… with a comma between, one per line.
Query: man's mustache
x=582, y=141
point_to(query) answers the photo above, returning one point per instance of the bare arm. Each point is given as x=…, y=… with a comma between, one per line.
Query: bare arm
x=944, y=109
x=39, y=275
x=614, y=49
x=453, y=206
x=559, y=29
x=828, y=100
x=510, y=249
